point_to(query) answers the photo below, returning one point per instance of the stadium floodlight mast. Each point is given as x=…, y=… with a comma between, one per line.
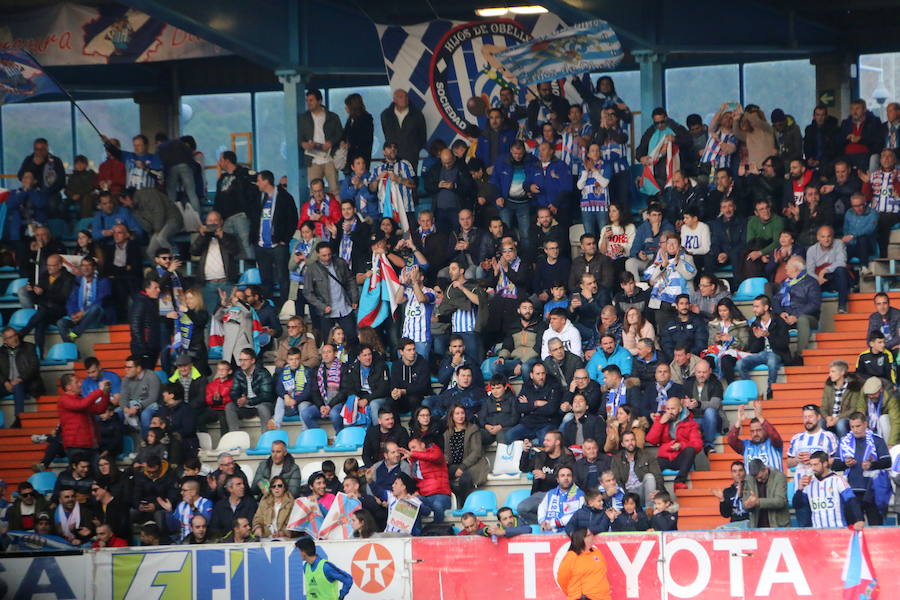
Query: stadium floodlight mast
x=499, y=11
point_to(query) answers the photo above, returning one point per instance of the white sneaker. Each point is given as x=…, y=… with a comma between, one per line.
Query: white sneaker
x=864, y=271
x=39, y=439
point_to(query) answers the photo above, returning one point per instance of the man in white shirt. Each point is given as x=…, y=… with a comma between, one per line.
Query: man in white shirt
x=217, y=251
x=320, y=136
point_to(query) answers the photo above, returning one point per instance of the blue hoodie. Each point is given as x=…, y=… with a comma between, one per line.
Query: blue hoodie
x=599, y=361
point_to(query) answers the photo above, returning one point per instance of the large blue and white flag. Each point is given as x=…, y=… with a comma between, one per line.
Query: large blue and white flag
x=450, y=69
x=582, y=48
x=23, y=78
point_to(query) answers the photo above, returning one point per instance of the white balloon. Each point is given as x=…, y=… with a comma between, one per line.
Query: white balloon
x=187, y=112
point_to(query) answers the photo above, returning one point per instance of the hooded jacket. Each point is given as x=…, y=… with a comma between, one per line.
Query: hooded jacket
x=687, y=433
x=378, y=380
x=520, y=343
x=261, y=382
x=414, y=378
x=620, y=357
x=164, y=485
x=569, y=336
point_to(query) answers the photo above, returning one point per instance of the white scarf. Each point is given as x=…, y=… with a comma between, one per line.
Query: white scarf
x=68, y=523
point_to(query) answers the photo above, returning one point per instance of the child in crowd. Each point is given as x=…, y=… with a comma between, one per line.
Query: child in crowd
x=665, y=514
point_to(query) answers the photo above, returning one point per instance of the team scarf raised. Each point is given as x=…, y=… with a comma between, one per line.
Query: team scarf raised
x=505, y=287
x=847, y=447
x=293, y=381
x=328, y=376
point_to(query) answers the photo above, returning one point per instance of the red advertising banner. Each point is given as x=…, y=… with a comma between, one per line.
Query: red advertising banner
x=784, y=564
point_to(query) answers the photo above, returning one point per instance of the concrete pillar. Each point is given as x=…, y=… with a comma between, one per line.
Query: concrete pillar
x=294, y=104
x=652, y=83
x=833, y=79
x=158, y=113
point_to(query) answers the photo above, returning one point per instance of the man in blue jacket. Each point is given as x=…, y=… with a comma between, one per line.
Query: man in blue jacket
x=549, y=181
x=108, y=216
x=495, y=141
x=798, y=301
x=509, y=178
x=87, y=307
x=609, y=353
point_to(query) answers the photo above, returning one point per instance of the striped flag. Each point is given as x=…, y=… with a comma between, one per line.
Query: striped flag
x=648, y=184
x=378, y=296
x=859, y=579
x=336, y=525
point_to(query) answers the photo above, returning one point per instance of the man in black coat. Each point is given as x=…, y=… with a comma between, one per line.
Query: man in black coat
x=433, y=244
x=33, y=261
x=730, y=505
x=410, y=377
x=821, y=139
x=19, y=371
x=237, y=200
x=218, y=251
x=372, y=392
x=410, y=135
x=122, y=265
x=350, y=237
x=144, y=322
x=546, y=108
x=769, y=343
x=47, y=169
x=386, y=429
x=50, y=295
x=271, y=236
x=238, y=503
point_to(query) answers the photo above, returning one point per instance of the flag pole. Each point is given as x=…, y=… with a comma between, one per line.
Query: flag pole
x=66, y=92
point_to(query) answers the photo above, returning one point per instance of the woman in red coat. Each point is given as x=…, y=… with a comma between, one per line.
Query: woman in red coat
x=429, y=468
x=76, y=415
x=679, y=440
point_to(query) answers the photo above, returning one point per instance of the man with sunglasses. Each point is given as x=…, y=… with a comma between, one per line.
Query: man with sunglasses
x=22, y=514
x=663, y=128
x=111, y=511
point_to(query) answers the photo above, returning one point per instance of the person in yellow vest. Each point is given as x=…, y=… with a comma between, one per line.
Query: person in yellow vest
x=321, y=579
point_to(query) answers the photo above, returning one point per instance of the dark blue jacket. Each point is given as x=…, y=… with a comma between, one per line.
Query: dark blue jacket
x=502, y=176
x=554, y=182
x=120, y=216
x=729, y=237
x=872, y=135
x=588, y=518
x=36, y=199
x=534, y=416
x=805, y=298
x=505, y=139
x=624, y=522
x=472, y=398
x=648, y=399
x=301, y=395
x=692, y=333
x=104, y=289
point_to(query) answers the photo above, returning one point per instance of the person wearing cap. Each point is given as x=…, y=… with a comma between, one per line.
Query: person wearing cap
x=43, y=524
x=765, y=496
x=111, y=511
x=22, y=514
x=882, y=410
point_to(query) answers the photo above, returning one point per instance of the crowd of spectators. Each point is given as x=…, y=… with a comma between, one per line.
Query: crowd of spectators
x=504, y=330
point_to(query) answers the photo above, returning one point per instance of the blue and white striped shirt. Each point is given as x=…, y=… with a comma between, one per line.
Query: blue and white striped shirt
x=764, y=451
x=826, y=500
x=401, y=168
x=810, y=442
x=417, y=316
x=463, y=321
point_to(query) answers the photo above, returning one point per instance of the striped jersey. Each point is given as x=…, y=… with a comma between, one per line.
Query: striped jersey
x=811, y=442
x=764, y=451
x=463, y=321
x=402, y=168
x=417, y=315
x=713, y=153
x=826, y=498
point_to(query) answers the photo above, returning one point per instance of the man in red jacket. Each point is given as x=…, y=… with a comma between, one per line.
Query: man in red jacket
x=429, y=468
x=679, y=440
x=76, y=416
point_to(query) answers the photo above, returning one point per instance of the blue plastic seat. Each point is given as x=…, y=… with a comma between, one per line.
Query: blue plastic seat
x=127, y=447
x=669, y=472
x=264, y=445
x=163, y=378
x=12, y=290
x=311, y=440
x=83, y=224
x=58, y=227
x=750, y=289
x=741, y=391
x=479, y=502
x=60, y=354
x=349, y=439
x=250, y=277
x=829, y=295
x=515, y=498
x=43, y=482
